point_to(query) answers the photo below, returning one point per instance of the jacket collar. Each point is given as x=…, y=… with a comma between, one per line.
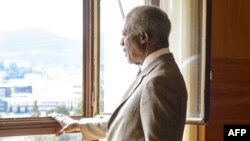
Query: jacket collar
x=150, y=58
x=156, y=62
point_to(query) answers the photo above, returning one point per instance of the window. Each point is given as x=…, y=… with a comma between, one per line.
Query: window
x=41, y=64
x=90, y=42
x=41, y=57
x=187, y=42
x=110, y=68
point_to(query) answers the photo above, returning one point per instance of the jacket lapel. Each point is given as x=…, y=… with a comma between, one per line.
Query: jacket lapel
x=144, y=73
x=138, y=81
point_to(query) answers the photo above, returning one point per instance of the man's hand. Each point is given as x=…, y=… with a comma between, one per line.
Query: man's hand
x=68, y=124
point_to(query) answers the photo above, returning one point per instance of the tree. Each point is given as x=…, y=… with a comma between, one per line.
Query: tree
x=59, y=109
x=36, y=112
x=78, y=109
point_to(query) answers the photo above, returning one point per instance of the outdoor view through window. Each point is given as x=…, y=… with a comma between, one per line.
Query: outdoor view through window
x=40, y=57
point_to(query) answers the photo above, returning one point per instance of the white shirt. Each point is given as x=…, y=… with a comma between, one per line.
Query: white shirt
x=151, y=57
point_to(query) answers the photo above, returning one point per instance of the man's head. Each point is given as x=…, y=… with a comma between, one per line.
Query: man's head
x=146, y=30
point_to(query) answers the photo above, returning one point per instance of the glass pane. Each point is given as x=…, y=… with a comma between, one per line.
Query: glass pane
x=40, y=57
x=110, y=68
x=186, y=43
x=187, y=40
x=65, y=137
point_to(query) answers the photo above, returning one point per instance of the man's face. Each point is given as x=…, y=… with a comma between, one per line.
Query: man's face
x=131, y=47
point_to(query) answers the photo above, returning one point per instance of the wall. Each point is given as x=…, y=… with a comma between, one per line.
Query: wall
x=230, y=87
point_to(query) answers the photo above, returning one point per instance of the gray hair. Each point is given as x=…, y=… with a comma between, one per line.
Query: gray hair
x=152, y=20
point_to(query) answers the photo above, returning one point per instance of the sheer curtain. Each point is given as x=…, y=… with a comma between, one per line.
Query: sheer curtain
x=187, y=45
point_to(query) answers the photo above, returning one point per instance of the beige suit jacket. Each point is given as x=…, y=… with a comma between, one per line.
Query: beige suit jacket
x=154, y=107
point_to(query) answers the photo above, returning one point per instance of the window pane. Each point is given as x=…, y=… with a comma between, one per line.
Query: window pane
x=40, y=57
x=186, y=43
x=116, y=65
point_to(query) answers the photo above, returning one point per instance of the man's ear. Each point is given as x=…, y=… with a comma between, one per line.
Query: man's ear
x=143, y=37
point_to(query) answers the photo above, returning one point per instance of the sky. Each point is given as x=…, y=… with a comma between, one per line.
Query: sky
x=62, y=17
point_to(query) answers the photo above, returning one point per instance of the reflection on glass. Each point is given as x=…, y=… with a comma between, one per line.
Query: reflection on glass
x=185, y=43
x=40, y=57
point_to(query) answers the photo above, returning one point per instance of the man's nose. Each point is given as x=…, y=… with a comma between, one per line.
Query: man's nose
x=122, y=42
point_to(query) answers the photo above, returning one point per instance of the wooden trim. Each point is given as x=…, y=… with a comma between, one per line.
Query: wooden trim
x=208, y=67
x=88, y=57
x=201, y=132
x=96, y=60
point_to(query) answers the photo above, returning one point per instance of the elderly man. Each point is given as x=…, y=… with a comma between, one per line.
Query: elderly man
x=154, y=107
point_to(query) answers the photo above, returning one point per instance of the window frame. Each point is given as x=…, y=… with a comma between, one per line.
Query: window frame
x=203, y=41
x=91, y=8
x=47, y=125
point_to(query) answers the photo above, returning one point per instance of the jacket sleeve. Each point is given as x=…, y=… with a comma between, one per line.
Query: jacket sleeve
x=94, y=128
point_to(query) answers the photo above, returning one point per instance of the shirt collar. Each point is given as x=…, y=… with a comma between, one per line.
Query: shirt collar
x=151, y=57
